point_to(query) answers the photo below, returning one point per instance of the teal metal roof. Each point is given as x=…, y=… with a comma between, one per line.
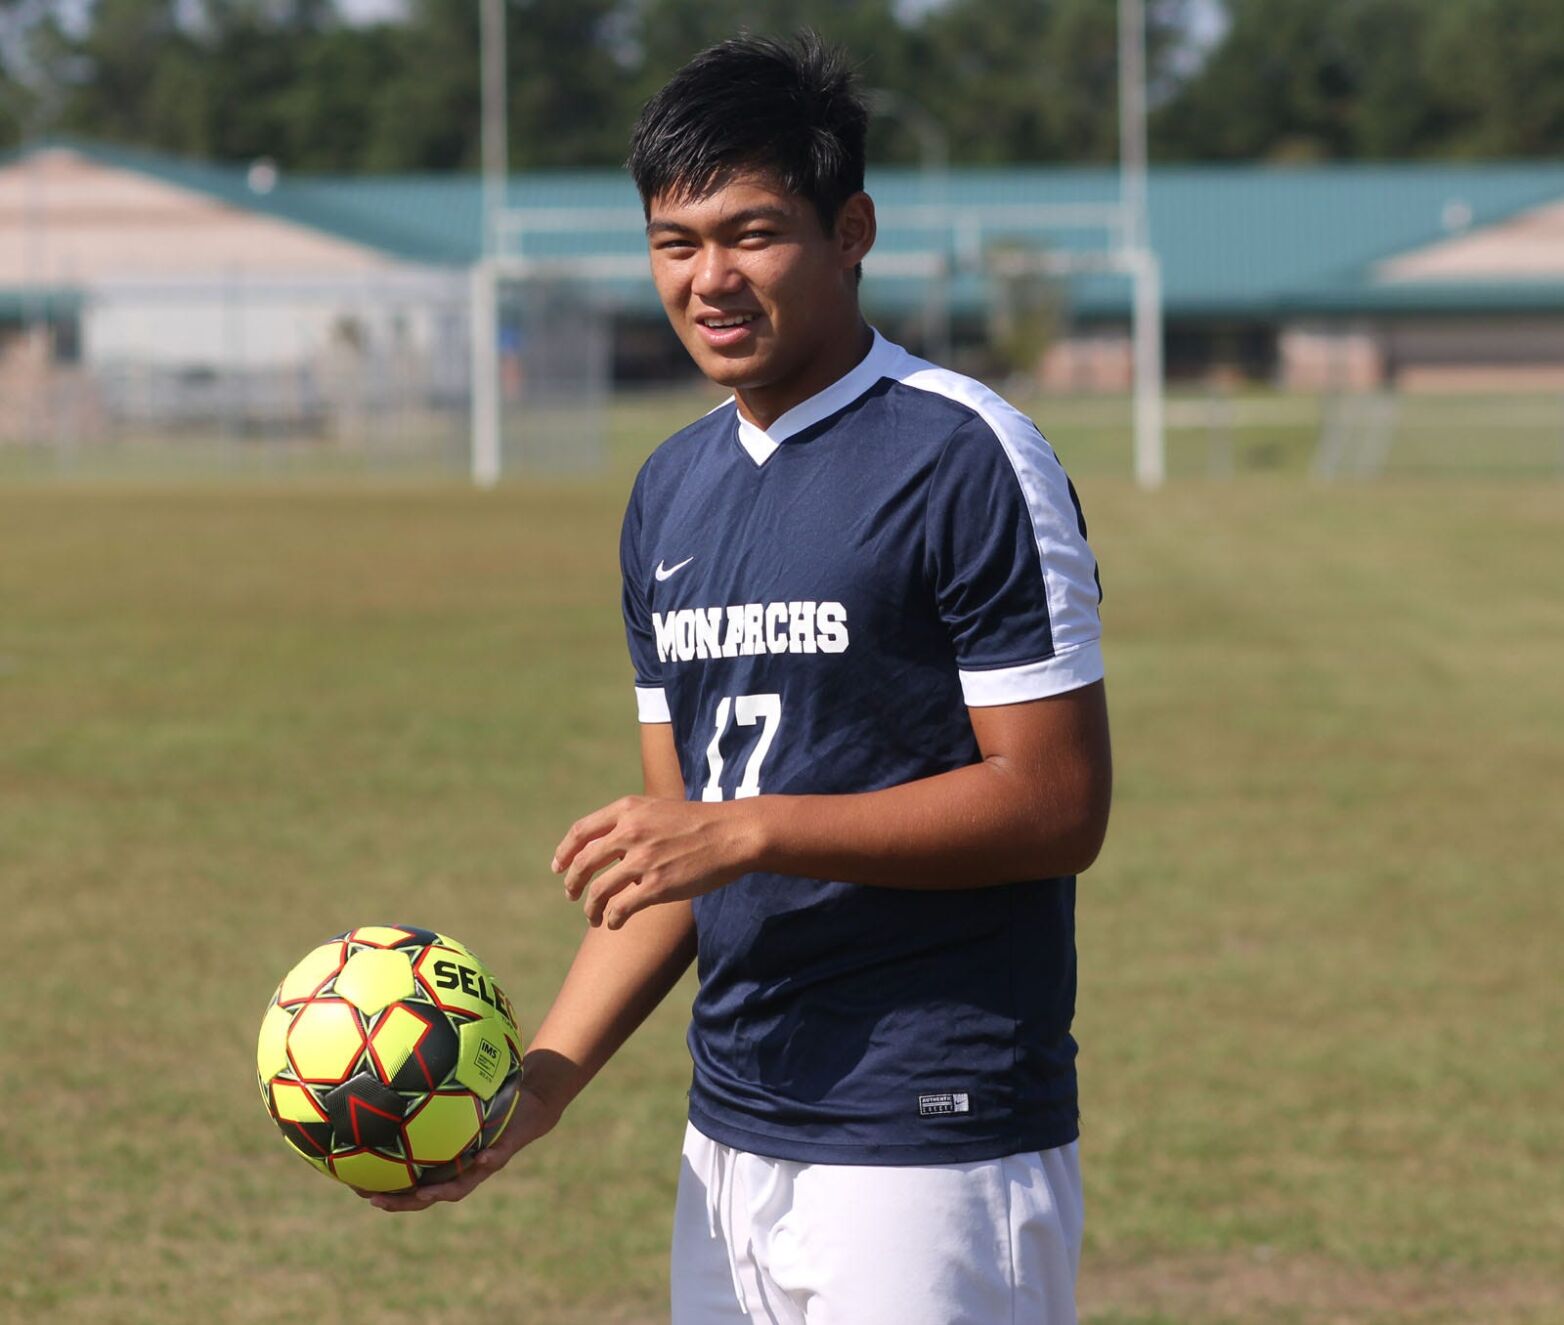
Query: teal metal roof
x=18, y=304
x=1267, y=240
x=1233, y=241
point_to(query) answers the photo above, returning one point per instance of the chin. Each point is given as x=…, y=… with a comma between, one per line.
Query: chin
x=735, y=373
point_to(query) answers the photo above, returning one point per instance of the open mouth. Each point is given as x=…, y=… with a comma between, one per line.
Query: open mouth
x=721, y=329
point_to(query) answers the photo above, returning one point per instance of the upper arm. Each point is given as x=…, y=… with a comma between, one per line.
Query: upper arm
x=660, y=771
x=1058, y=750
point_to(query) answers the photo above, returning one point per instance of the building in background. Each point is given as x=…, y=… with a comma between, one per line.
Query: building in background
x=139, y=291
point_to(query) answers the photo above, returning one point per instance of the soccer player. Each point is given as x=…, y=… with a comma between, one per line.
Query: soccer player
x=863, y=619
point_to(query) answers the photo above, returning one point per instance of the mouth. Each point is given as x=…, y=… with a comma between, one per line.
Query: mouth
x=721, y=330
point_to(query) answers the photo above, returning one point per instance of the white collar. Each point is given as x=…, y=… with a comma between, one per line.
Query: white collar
x=761, y=443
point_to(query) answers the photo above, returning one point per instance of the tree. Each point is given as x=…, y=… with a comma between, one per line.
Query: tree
x=1034, y=80
x=1292, y=81
x=1498, y=66
x=30, y=78
x=1006, y=80
x=567, y=96
x=1374, y=79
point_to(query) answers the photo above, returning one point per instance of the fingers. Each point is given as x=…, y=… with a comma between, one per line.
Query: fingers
x=421, y=1198
x=605, y=888
x=595, y=855
x=586, y=829
x=626, y=902
x=532, y=1119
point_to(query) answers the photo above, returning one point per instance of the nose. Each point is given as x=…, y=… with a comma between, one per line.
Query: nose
x=715, y=272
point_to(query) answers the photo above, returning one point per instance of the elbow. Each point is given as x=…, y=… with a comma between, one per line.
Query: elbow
x=1058, y=819
x=1085, y=845
x=1069, y=838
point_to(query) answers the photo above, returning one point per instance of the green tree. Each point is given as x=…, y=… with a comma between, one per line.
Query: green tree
x=1006, y=80
x=1313, y=82
x=570, y=96
x=1034, y=80
x=142, y=80
x=329, y=112
x=31, y=78
x=567, y=95
x=1498, y=69
x=1273, y=80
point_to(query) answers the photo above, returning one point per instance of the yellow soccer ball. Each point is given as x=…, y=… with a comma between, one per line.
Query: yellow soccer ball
x=389, y=1057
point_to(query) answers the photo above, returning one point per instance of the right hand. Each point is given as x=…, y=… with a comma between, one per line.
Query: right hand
x=533, y=1118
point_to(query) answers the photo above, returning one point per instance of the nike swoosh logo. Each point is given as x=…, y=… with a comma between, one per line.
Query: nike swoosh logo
x=664, y=573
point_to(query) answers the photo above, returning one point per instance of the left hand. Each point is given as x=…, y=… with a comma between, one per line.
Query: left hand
x=534, y=1117
x=644, y=850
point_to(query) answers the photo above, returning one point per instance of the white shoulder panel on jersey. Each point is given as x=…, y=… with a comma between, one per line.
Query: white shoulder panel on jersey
x=1069, y=569
x=651, y=704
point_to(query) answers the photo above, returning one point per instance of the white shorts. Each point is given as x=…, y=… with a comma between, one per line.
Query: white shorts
x=995, y=1242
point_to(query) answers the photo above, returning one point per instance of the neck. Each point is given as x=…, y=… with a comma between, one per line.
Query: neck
x=764, y=405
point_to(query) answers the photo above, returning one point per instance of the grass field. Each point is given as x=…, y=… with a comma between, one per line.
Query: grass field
x=1320, y=995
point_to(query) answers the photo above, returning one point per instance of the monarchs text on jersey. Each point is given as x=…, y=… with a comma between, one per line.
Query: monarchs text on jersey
x=814, y=607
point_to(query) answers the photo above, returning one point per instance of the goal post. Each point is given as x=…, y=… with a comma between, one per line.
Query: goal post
x=484, y=362
x=1135, y=241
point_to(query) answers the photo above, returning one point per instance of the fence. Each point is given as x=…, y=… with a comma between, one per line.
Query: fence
x=234, y=377
x=184, y=377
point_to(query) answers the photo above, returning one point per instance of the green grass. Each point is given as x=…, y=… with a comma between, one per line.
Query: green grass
x=1320, y=992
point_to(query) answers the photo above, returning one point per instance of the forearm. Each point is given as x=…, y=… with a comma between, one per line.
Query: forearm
x=1035, y=806
x=617, y=978
x=972, y=827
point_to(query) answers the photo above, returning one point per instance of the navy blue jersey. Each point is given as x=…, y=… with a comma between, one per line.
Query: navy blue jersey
x=813, y=607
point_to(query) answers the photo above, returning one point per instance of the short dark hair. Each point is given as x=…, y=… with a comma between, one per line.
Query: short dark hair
x=791, y=108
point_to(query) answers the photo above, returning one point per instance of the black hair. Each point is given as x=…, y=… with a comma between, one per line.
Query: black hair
x=793, y=109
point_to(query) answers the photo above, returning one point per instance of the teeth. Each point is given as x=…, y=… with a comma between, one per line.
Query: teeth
x=730, y=321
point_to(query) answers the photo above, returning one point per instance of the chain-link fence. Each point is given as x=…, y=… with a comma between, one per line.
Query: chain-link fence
x=145, y=377
x=158, y=379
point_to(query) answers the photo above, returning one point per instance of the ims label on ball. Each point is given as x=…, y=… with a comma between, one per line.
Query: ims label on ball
x=488, y=1059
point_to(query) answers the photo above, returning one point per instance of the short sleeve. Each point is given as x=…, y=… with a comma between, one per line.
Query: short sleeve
x=1013, y=577
x=651, y=700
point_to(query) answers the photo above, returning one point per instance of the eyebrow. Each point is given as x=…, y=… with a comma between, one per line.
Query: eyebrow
x=658, y=226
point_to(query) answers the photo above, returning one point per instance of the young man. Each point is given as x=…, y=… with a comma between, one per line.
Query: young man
x=863, y=619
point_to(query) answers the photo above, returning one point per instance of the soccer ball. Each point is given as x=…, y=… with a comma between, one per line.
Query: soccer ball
x=389, y=1057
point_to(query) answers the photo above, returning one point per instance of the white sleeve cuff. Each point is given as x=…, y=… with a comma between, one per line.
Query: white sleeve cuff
x=1065, y=671
x=651, y=704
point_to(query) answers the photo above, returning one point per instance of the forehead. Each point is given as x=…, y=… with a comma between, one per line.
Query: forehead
x=732, y=195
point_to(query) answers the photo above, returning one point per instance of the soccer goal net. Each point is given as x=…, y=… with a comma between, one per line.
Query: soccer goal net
x=543, y=346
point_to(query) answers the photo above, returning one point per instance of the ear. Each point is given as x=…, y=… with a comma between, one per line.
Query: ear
x=855, y=230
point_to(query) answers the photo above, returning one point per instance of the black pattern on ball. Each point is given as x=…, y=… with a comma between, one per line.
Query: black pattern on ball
x=365, y=1113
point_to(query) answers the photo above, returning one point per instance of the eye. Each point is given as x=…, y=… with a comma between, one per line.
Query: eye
x=757, y=235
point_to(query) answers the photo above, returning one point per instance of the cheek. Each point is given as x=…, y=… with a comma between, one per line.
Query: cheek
x=671, y=289
x=800, y=289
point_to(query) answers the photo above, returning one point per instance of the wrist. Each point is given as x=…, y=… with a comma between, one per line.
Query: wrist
x=755, y=823
x=551, y=1078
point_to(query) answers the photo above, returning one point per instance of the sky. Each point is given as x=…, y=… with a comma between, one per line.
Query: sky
x=370, y=11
